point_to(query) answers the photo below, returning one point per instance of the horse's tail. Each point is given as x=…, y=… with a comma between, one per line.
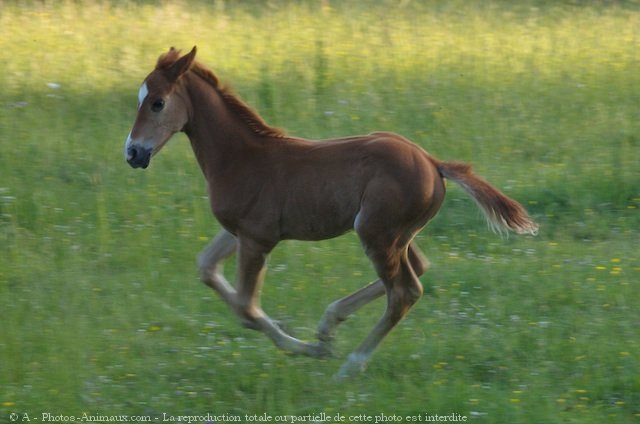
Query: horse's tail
x=502, y=213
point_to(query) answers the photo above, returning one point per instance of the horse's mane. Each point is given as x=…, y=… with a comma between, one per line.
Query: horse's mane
x=244, y=111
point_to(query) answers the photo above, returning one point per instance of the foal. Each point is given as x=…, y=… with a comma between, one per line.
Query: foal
x=265, y=187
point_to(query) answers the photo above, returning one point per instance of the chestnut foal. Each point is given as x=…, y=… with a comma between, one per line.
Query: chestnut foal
x=265, y=187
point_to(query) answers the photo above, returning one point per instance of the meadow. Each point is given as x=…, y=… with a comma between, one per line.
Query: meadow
x=101, y=308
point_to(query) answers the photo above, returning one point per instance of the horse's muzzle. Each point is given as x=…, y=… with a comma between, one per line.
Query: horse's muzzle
x=138, y=157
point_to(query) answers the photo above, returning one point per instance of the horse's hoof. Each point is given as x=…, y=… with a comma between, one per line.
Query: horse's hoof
x=355, y=365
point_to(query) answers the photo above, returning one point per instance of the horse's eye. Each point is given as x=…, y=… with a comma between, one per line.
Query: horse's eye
x=158, y=105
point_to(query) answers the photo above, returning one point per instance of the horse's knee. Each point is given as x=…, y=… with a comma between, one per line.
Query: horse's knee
x=209, y=259
x=208, y=267
x=205, y=270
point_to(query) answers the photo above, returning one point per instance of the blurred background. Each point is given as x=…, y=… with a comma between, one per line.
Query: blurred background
x=102, y=310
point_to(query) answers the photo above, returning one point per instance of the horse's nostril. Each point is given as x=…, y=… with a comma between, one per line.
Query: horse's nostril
x=138, y=156
x=131, y=153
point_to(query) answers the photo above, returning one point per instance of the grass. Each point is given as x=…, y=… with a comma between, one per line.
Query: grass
x=102, y=310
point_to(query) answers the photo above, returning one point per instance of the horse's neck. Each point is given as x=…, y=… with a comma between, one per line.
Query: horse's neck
x=218, y=137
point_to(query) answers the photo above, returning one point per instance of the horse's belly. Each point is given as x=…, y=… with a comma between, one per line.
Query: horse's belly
x=318, y=223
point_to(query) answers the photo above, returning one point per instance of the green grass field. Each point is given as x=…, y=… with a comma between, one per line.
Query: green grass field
x=102, y=311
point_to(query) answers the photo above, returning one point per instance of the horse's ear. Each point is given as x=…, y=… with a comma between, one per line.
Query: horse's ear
x=181, y=65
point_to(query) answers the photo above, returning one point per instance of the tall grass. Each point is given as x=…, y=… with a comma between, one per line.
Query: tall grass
x=100, y=302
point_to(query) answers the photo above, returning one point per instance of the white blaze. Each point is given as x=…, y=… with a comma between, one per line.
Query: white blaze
x=127, y=144
x=142, y=94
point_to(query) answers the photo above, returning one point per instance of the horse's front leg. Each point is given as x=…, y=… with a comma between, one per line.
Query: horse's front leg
x=250, y=276
x=210, y=265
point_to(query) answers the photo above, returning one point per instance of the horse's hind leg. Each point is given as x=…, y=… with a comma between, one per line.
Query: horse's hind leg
x=341, y=309
x=403, y=289
x=338, y=311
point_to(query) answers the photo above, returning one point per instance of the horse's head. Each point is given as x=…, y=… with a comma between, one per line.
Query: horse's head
x=162, y=108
